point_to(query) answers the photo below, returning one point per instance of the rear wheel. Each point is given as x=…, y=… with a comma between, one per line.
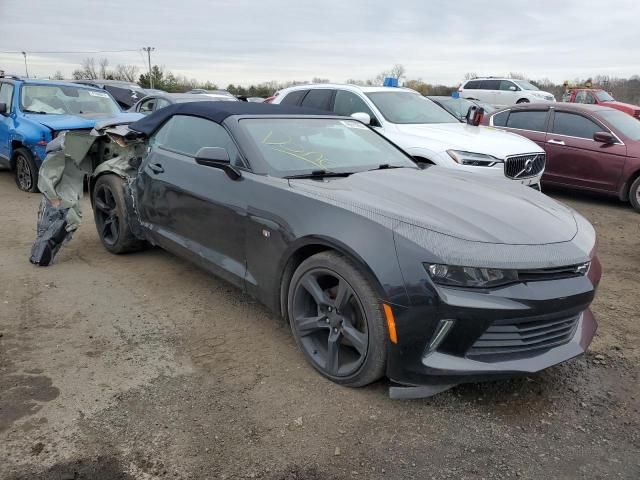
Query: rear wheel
x=26, y=171
x=112, y=217
x=634, y=194
x=337, y=320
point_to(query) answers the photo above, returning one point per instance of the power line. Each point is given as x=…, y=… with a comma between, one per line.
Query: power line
x=79, y=51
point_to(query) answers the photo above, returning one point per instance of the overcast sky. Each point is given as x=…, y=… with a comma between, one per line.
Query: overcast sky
x=249, y=41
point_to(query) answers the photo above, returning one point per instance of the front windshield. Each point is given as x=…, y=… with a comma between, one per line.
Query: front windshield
x=623, y=123
x=59, y=100
x=298, y=146
x=523, y=84
x=604, y=96
x=406, y=107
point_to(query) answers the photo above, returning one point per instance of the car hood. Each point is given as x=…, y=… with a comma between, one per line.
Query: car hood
x=452, y=203
x=461, y=136
x=621, y=105
x=78, y=122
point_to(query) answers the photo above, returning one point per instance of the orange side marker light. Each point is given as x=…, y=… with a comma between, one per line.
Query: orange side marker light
x=391, y=323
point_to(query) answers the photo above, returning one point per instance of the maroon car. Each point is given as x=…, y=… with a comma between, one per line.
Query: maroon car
x=591, y=147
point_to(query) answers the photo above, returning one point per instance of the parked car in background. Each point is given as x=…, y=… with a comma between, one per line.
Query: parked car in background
x=215, y=93
x=125, y=93
x=597, y=96
x=502, y=92
x=591, y=147
x=459, y=107
x=155, y=102
x=430, y=134
x=379, y=267
x=33, y=112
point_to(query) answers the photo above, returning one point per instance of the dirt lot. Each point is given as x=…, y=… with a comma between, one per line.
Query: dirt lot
x=142, y=366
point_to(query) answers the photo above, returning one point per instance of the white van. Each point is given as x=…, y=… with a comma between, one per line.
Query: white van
x=503, y=92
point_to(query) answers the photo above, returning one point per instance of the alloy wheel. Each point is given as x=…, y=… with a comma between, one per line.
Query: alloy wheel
x=23, y=173
x=330, y=322
x=107, y=215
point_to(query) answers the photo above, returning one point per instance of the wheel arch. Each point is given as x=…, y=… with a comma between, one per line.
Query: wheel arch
x=15, y=144
x=623, y=194
x=306, y=247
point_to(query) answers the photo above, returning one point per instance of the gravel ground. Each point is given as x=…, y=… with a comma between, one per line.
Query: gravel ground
x=142, y=366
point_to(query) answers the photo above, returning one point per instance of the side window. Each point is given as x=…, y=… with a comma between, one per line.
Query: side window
x=528, y=120
x=147, y=106
x=589, y=98
x=161, y=103
x=186, y=135
x=574, y=125
x=472, y=85
x=293, y=98
x=500, y=119
x=320, y=99
x=508, y=86
x=347, y=103
x=6, y=94
x=490, y=85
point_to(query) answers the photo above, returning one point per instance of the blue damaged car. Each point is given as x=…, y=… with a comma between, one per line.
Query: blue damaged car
x=33, y=112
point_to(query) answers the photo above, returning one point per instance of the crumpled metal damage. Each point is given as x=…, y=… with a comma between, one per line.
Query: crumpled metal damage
x=71, y=157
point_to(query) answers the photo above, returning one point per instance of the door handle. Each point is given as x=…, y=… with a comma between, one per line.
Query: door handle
x=556, y=142
x=156, y=168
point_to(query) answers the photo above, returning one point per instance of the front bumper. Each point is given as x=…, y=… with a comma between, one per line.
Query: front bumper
x=554, y=315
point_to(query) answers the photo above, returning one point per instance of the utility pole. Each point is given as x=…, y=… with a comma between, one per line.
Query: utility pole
x=149, y=50
x=24, y=54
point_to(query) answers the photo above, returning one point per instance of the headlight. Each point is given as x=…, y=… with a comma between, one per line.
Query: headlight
x=539, y=94
x=474, y=159
x=470, y=277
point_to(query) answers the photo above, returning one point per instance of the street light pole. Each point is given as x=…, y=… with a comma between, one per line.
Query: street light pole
x=26, y=70
x=149, y=50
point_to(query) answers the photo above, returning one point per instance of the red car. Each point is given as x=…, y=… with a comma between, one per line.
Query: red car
x=597, y=96
x=591, y=147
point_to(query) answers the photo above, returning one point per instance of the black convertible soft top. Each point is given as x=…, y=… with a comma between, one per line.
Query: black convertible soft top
x=218, y=112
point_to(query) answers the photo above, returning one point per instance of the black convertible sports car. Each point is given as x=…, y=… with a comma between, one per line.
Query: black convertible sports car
x=430, y=277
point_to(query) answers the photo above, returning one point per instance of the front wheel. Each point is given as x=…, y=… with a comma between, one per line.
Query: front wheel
x=26, y=171
x=634, y=195
x=523, y=100
x=337, y=319
x=112, y=217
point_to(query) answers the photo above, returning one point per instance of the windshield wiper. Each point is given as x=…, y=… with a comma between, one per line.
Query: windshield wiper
x=26, y=110
x=386, y=166
x=320, y=174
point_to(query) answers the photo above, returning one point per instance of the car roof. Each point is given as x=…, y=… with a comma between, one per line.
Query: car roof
x=578, y=107
x=100, y=81
x=346, y=86
x=218, y=112
x=39, y=81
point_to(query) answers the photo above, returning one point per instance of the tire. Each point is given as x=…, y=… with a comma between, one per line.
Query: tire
x=346, y=341
x=26, y=170
x=634, y=194
x=523, y=100
x=112, y=217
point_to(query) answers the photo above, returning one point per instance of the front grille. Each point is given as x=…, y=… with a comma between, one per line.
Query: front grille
x=522, y=338
x=524, y=166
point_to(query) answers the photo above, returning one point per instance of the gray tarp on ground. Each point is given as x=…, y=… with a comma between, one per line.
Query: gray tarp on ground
x=70, y=157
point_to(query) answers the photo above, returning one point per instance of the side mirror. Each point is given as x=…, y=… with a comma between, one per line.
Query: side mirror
x=363, y=117
x=604, y=137
x=513, y=88
x=3, y=108
x=217, y=157
x=474, y=115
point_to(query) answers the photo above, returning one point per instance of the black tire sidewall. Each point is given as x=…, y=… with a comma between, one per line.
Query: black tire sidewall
x=633, y=194
x=373, y=367
x=28, y=156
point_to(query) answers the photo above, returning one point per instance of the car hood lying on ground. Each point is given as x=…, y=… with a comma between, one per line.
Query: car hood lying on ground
x=452, y=203
x=60, y=122
x=468, y=138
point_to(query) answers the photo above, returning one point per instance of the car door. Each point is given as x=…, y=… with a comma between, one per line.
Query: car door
x=6, y=122
x=194, y=210
x=147, y=105
x=528, y=123
x=507, y=94
x=347, y=103
x=487, y=91
x=575, y=158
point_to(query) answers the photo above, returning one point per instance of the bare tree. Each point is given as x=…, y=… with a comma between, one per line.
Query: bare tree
x=87, y=70
x=58, y=75
x=517, y=75
x=104, y=65
x=128, y=73
x=470, y=75
x=397, y=71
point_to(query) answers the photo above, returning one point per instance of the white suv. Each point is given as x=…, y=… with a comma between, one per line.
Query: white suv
x=503, y=92
x=426, y=131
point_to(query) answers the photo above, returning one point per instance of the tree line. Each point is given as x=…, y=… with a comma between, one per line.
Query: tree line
x=622, y=89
